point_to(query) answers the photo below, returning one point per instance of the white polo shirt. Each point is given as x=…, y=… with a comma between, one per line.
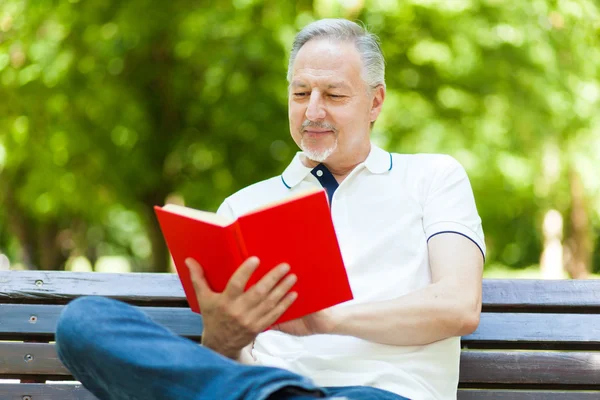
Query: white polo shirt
x=384, y=213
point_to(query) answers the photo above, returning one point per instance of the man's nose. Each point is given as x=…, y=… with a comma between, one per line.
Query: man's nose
x=316, y=109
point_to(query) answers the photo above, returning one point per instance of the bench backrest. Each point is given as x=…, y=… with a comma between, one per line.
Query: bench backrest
x=536, y=340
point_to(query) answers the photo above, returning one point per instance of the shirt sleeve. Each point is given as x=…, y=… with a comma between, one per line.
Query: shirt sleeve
x=450, y=205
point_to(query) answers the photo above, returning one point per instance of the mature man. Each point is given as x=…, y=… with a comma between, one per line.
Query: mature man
x=413, y=247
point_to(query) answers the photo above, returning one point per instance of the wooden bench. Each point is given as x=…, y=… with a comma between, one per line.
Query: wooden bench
x=536, y=340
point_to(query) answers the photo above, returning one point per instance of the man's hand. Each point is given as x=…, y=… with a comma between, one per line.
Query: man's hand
x=232, y=319
x=316, y=323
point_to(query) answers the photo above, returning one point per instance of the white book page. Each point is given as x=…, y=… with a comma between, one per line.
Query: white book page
x=205, y=216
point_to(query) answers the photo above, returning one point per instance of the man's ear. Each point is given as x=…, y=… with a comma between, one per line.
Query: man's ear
x=377, y=103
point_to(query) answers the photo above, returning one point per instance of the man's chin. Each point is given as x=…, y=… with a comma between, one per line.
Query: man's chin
x=318, y=152
x=318, y=155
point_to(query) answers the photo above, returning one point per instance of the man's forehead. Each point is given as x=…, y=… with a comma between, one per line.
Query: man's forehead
x=327, y=58
x=321, y=81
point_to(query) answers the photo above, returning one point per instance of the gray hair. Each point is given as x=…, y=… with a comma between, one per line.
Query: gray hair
x=366, y=43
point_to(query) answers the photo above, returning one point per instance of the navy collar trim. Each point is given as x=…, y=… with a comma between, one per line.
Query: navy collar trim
x=378, y=161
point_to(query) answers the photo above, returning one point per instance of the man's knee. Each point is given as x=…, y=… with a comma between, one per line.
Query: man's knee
x=75, y=324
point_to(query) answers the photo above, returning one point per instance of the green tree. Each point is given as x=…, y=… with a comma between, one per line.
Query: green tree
x=111, y=107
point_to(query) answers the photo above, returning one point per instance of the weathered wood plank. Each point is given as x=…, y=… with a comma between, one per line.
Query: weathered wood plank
x=40, y=391
x=477, y=367
x=78, y=392
x=59, y=286
x=20, y=359
x=23, y=321
x=530, y=367
x=519, y=330
x=492, y=394
x=523, y=329
x=563, y=295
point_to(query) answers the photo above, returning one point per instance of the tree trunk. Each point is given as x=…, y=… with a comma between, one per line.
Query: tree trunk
x=579, y=243
x=160, y=253
x=168, y=122
x=40, y=248
x=21, y=227
x=50, y=254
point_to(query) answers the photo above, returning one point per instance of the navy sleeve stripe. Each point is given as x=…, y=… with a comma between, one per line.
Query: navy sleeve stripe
x=461, y=234
x=286, y=185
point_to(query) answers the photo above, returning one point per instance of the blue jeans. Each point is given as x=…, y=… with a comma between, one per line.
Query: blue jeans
x=118, y=353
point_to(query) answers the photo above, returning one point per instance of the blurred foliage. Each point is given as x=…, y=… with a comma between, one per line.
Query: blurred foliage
x=109, y=108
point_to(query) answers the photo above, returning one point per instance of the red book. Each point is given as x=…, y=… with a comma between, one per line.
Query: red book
x=298, y=231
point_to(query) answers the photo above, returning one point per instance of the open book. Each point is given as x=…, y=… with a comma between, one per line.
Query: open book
x=298, y=231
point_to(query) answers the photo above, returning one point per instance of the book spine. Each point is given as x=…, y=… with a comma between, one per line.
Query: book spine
x=239, y=240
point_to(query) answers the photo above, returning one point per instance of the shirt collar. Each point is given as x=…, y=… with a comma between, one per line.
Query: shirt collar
x=378, y=161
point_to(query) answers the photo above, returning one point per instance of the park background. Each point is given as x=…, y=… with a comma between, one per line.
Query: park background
x=108, y=108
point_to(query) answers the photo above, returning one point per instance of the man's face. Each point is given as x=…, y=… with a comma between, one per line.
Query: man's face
x=330, y=105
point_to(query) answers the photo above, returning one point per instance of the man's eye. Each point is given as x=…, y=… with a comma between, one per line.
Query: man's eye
x=300, y=94
x=336, y=96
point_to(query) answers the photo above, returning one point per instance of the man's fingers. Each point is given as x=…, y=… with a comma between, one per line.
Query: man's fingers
x=237, y=283
x=279, y=309
x=278, y=293
x=197, y=275
x=263, y=288
x=276, y=296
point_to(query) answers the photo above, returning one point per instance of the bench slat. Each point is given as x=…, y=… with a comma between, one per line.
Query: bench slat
x=22, y=359
x=477, y=367
x=15, y=320
x=542, y=295
x=78, y=392
x=530, y=368
x=42, y=391
x=524, y=330
x=59, y=287
x=491, y=394
x=521, y=330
